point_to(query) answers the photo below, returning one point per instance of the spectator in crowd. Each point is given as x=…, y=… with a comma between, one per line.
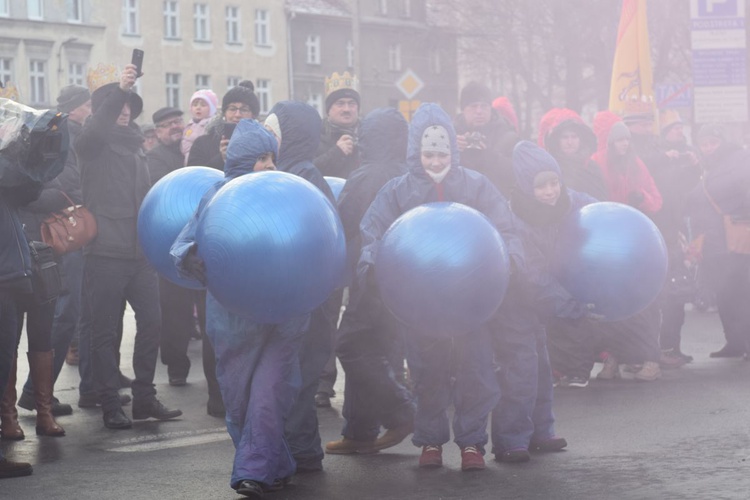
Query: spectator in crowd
x=115, y=180
x=724, y=192
x=166, y=156
x=150, y=141
x=337, y=154
x=203, y=105
x=485, y=138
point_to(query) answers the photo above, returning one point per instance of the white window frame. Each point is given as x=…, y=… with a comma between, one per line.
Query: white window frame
x=233, y=24
x=77, y=73
x=172, y=86
x=202, y=82
x=262, y=28
x=202, y=22
x=74, y=11
x=233, y=81
x=6, y=69
x=130, y=17
x=394, y=57
x=4, y=8
x=263, y=91
x=171, y=19
x=37, y=81
x=313, y=49
x=35, y=9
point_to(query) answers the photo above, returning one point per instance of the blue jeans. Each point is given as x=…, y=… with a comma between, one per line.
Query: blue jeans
x=456, y=370
x=67, y=314
x=257, y=367
x=107, y=282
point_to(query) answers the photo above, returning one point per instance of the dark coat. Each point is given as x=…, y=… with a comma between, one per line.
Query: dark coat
x=205, y=151
x=382, y=149
x=115, y=178
x=494, y=161
x=727, y=180
x=329, y=158
x=69, y=181
x=163, y=159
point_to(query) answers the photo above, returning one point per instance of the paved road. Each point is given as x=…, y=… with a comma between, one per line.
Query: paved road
x=683, y=437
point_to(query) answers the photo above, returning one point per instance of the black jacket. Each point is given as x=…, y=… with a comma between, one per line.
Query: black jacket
x=114, y=176
x=205, y=151
x=164, y=159
x=329, y=158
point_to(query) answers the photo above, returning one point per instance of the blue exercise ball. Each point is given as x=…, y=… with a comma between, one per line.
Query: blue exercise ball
x=442, y=269
x=273, y=246
x=165, y=210
x=613, y=256
x=336, y=184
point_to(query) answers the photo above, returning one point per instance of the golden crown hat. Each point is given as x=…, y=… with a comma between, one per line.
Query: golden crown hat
x=102, y=75
x=9, y=91
x=338, y=81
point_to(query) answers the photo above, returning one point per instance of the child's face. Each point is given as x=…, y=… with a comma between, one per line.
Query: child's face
x=435, y=162
x=264, y=162
x=199, y=109
x=547, y=188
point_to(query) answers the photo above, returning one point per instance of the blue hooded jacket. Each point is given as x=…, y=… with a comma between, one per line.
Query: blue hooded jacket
x=249, y=142
x=383, y=134
x=417, y=188
x=300, y=135
x=540, y=226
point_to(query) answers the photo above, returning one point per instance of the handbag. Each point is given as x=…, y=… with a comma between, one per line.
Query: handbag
x=736, y=229
x=46, y=281
x=69, y=229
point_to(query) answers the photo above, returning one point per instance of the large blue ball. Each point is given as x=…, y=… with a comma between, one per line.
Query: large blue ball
x=613, y=256
x=273, y=246
x=165, y=210
x=336, y=184
x=442, y=269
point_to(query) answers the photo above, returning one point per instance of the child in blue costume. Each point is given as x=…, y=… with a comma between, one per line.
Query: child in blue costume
x=523, y=418
x=257, y=365
x=434, y=175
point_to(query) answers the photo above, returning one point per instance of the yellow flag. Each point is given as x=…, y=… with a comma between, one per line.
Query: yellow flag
x=632, y=79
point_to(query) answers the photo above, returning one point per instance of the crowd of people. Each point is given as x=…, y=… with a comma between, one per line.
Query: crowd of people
x=267, y=380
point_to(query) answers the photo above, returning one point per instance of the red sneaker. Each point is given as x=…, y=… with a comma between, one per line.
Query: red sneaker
x=432, y=456
x=471, y=458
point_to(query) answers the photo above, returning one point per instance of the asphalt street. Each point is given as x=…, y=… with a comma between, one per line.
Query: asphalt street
x=686, y=436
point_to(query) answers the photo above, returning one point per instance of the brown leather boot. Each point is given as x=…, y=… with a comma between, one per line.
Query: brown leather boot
x=11, y=430
x=40, y=366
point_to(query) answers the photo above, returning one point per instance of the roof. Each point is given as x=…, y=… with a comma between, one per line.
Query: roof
x=336, y=8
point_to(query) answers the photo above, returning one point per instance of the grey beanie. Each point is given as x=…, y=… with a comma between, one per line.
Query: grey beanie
x=618, y=131
x=71, y=97
x=712, y=130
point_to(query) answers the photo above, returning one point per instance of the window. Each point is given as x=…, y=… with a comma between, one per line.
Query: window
x=407, y=8
x=75, y=12
x=384, y=7
x=130, y=17
x=233, y=24
x=316, y=101
x=436, y=66
x=233, y=81
x=77, y=74
x=262, y=28
x=200, y=17
x=263, y=91
x=202, y=82
x=394, y=57
x=4, y=8
x=37, y=81
x=6, y=70
x=313, y=49
x=349, y=54
x=171, y=19
x=173, y=90
x=35, y=11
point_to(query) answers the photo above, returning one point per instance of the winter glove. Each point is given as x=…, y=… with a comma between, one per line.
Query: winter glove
x=194, y=265
x=635, y=199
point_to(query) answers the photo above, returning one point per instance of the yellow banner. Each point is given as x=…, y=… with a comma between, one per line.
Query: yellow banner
x=632, y=78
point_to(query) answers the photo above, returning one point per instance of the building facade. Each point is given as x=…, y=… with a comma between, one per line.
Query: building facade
x=405, y=56
x=188, y=45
